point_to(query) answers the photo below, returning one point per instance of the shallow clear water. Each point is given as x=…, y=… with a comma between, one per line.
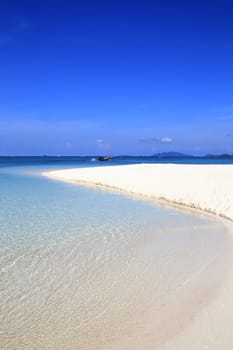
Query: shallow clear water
x=87, y=269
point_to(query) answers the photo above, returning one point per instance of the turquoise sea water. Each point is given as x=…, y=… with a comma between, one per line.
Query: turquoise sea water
x=87, y=269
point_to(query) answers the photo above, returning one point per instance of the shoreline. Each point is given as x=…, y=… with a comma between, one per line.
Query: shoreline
x=96, y=177
x=216, y=315
x=87, y=177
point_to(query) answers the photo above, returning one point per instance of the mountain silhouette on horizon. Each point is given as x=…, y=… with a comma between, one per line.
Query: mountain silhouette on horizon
x=170, y=155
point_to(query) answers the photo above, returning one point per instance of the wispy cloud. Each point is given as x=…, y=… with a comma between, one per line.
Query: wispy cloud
x=155, y=139
x=149, y=139
x=166, y=139
x=99, y=141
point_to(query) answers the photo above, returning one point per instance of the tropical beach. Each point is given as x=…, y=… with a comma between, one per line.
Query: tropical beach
x=116, y=175
x=205, y=188
x=97, y=258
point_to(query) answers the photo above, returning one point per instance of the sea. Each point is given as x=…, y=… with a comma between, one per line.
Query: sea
x=87, y=269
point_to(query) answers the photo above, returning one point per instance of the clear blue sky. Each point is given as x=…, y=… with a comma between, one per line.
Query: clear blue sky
x=118, y=77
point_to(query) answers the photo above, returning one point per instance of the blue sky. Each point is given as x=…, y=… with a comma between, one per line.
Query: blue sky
x=118, y=77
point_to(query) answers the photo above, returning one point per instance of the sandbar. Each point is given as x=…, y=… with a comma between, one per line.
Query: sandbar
x=205, y=187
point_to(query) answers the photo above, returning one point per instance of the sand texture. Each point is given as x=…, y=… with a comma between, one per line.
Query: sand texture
x=205, y=187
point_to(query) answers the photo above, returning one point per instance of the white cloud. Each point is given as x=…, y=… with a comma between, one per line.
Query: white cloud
x=166, y=139
x=99, y=141
x=156, y=139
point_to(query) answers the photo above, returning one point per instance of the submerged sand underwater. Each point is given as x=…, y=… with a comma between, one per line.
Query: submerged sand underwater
x=119, y=287
x=194, y=312
x=88, y=269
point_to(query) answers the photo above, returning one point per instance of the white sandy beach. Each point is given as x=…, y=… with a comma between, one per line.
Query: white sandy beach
x=205, y=187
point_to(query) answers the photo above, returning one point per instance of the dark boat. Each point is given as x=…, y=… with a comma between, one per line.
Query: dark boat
x=101, y=158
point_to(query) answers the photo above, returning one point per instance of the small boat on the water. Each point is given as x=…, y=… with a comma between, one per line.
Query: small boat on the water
x=101, y=158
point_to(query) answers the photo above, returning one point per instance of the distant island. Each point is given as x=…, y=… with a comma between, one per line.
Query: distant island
x=224, y=155
x=181, y=155
x=170, y=155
